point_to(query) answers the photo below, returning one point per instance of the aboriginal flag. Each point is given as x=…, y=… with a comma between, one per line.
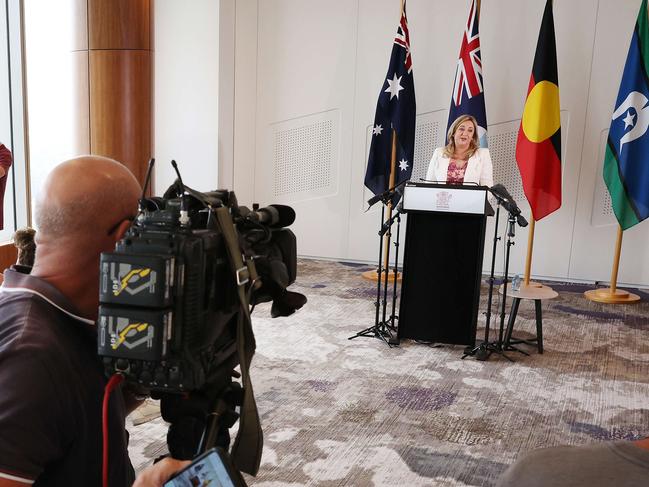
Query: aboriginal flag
x=538, y=149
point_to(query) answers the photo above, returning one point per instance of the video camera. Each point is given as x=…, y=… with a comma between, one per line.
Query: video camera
x=174, y=308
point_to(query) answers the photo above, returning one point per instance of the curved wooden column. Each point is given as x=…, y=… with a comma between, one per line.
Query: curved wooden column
x=120, y=107
x=120, y=77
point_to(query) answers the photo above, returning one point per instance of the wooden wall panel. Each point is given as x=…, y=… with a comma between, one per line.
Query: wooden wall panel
x=121, y=107
x=8, y=255
x=119, y=24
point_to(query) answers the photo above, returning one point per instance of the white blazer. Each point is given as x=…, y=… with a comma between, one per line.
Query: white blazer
x=479, y=168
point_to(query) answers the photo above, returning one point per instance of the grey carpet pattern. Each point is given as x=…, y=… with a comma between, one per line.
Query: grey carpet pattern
x=355, y=412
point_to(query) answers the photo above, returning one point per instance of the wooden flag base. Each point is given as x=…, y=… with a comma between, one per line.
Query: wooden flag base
x=609, y=296
x=374, y=275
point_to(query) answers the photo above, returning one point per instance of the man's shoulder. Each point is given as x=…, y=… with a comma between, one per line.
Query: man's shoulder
x=28, y=324
x=571, y=465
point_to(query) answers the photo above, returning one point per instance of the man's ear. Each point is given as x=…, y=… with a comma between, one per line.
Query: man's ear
x=121, y=229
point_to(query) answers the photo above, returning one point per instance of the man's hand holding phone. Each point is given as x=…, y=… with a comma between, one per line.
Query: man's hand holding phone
x=157, y=474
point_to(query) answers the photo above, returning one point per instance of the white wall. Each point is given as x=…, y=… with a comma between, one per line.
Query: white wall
x=311, y=71
x=186, y=106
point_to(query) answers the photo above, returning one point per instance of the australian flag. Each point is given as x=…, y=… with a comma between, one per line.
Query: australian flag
x=468, y=89
x=395, y=109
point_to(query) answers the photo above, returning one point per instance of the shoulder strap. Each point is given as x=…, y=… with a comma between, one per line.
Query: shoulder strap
x=249, y=442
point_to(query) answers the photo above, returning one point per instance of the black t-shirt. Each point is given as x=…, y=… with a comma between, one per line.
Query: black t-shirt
x=51, y=392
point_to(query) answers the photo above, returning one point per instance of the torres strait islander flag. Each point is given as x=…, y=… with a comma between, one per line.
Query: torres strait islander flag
x=626, y=162
x=538, y=149
x=395, y=109
x=468, y=88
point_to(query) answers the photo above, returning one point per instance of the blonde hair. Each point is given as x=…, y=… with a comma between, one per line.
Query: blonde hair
x=474, y=145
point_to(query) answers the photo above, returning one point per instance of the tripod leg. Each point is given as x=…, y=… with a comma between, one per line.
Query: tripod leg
x=539, y=325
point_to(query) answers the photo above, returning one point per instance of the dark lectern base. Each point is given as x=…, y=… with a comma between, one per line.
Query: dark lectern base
x=442, y=269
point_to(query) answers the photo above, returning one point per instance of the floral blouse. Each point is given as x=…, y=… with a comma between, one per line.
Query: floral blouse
x=455, y=174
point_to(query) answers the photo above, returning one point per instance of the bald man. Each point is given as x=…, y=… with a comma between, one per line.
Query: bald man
x=51, y=379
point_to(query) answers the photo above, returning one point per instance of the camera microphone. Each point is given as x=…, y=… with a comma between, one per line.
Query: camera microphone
x=275, y=216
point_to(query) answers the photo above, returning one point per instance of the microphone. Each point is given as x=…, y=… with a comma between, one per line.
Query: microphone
x=275, y=216
x=387, y=194
x=501, y=193
x=375, y=199
x=386, y=226
x=521, y=220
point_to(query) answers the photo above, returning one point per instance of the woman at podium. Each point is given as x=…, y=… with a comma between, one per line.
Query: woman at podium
x=462, y=160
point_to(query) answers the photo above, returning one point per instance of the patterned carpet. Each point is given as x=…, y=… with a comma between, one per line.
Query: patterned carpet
x=340, y=412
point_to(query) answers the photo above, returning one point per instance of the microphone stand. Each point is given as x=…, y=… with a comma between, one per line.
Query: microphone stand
x=485, y=349
x=384, y=327
x=392, y=323
x=511, y=225
x=511, y=233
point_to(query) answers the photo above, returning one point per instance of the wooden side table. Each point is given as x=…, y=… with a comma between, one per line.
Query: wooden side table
x=537, y=294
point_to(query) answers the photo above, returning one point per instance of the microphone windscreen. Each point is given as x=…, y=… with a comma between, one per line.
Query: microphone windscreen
x=285, y=216
x=500, y=190
x=374, y=199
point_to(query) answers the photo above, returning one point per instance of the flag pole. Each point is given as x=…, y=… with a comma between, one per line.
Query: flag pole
x=612, y=295
x=374, y=275
x=528, y=261
x=530, y=245
x=616, y=259
x=393, y=165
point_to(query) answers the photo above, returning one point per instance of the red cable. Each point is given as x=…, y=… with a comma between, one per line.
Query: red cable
x=110, y=386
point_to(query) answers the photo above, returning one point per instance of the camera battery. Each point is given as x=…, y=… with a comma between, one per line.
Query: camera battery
x=134, y=334
x=136, y=280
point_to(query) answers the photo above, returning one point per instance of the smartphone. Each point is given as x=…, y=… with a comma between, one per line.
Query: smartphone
x=212, y=468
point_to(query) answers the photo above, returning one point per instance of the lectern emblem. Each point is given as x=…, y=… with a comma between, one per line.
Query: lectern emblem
x=443, y=200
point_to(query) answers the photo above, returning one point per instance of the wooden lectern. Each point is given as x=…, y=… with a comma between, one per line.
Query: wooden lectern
x=442, y=264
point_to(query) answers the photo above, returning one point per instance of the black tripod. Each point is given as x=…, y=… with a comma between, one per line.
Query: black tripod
x=486, y=348
x=511, y=233
x=201, y=419
x=385, y=328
